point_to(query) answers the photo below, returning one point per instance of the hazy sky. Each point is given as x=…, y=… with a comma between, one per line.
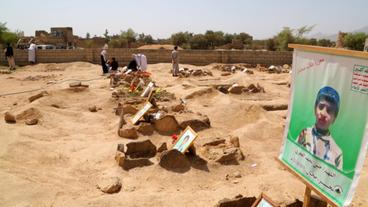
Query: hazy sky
x=161, y=18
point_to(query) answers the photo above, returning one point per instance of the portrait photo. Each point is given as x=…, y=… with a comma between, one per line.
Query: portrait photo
x=141, y=112
x=185, y=140
x=318, y=138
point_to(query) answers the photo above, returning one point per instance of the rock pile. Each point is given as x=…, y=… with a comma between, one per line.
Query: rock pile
x=185, y=72
x=232, y=68
x=39, y=77
x=109, y=185
x=237, y=89
x=130, y=81
x=78, y=86
x=274, y=69
x=37, y=96
x=159, y=119
x=5, y=72
x=29, y=116
x=164, y=96
x=9, y=118
x=220, y=151
x=173, y=160
x=137, y=154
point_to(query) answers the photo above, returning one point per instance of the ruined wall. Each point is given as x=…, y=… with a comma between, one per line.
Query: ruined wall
x=123, y=56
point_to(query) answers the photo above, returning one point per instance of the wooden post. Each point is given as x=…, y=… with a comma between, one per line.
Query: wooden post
x=307, y=197
x=308, y=187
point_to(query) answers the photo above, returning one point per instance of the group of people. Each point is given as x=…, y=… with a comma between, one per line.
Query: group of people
x=110, y=65
x=9, y=54
x=137, y=63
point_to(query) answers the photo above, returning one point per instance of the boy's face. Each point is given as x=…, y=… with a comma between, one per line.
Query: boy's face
x=325, y=114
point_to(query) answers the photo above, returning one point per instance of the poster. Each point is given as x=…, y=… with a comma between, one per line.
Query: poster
x=326, y=134
x=141, y=112
x=185, y=140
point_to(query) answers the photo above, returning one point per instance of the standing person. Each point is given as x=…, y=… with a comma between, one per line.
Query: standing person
x=32, y=53
x=141, y=60
x=9, y=54
x=175, y=61
x=104, y=59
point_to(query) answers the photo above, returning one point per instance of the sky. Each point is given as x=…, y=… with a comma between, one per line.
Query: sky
x=260, y=18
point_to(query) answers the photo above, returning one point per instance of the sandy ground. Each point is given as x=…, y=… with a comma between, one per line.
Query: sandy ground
x=59, y=161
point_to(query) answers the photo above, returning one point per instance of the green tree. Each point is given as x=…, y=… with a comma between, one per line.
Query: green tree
x=271, y=44
x=181, y=38
x=355, y=41
x=325, y=43
x=300, y=32
x=88, y=35
x=283, y=38
x=126, y=38
x=106, y=35
x=214, y=39
x=116, y=43
x=7, y=36
x=211, y=39
x=313, y=41
x=147, y=39
x=228, y=38
x=2, y=29
x=245, y=38
x=198, y=41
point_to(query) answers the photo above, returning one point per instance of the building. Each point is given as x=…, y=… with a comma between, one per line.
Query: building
x=94, y=42
x=340, y=39
x=60, y=37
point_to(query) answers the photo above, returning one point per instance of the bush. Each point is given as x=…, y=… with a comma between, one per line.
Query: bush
x=325, y=43
x=199, y=41
x=284, y=38
x=6, y=36
x=355, y=41
x=271, y=44
x=181, y=38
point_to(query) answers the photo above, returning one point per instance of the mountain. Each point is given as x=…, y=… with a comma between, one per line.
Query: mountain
x=363, y=29
x=333, y=37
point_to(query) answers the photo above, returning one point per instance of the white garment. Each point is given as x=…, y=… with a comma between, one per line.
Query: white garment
x=141, y=61
x=32, y=53
x=104, y=54
x=322, y=146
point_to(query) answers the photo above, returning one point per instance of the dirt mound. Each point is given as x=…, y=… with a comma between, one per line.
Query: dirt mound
x=31, y=113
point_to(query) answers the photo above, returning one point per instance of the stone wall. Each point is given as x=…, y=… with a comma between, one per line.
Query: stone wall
x=123, y=56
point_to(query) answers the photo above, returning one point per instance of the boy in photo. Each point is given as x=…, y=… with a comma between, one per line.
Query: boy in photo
x=318, y=139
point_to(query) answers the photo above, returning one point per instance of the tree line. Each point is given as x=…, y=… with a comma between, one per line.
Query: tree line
x=211, y=39
x=220, y=40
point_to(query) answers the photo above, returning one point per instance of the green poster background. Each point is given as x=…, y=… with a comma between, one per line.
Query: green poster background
x=311, y=72
x=348, y=128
